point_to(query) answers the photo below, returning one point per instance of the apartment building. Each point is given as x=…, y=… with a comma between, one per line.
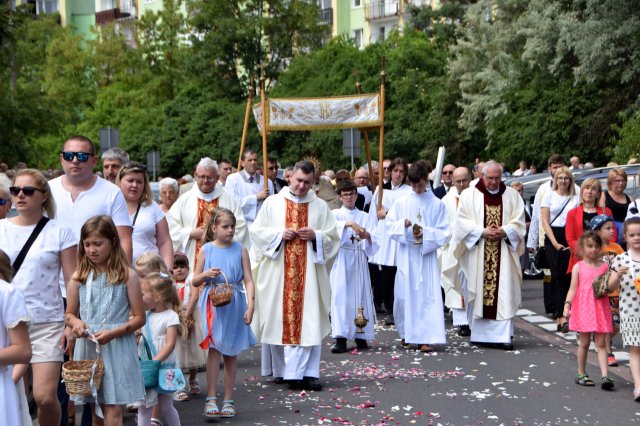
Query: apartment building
x=367, y=21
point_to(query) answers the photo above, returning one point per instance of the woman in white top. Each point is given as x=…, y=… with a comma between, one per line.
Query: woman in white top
x=553, y=213
x=150, y=228
x=37, y=279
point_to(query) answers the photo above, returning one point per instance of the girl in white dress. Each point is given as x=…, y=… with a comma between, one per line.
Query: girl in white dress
x=15, y=347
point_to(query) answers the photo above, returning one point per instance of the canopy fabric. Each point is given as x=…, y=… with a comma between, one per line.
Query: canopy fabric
x=340, y=112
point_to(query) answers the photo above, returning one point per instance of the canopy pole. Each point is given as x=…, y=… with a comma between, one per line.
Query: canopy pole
x=366, y=139
x=263, y=104
x=381, y=156
x=245, y=127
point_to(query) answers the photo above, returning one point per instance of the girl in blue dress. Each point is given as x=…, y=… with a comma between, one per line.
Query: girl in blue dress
x=227, y=331
x=104, y=303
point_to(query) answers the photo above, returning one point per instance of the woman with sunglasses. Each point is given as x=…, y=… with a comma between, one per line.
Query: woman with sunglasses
x=53, y=249
x=553, y=213
x=150, y=228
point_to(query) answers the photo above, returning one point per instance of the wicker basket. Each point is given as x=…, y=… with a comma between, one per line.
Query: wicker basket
x=77, y=376
x=221, y=294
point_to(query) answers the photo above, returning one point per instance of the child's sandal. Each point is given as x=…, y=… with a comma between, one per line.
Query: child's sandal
x=211, y=407
x=228, y=410
x=584, y=380
x=155, y=422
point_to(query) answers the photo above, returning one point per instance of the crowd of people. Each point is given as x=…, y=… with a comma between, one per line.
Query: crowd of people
x=230, y=259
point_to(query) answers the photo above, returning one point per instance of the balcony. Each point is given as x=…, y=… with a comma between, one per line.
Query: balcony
x=326, y=15
x=382, y=9
x=107, y=16
x=128, y=9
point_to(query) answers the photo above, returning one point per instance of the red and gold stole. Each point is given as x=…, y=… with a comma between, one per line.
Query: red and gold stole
x=295, y=267
x=204, y=213
x=492, y=251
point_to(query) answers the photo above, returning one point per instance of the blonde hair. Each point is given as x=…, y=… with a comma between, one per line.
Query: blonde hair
x=134, y=167
x=117, y=263
x=161, y=284
x=49, y=206
x=564, y=171
x=151, y=261
x=216, y=215
x=613, y=174
x=6, y=269
x=591, y=183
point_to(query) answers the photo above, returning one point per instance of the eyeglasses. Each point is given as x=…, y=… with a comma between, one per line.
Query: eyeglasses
x=3, y=201
x=347, y=194
x=273, y=168
x=206, y=178
x=26, y=190
x=81, y=156
x=447, y=172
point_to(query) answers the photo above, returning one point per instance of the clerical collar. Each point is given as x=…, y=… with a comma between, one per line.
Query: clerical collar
x=207, y=197
x=295, y=198
x=493, y=191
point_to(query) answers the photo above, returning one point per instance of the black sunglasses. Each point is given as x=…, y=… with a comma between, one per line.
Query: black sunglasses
x=27, y=190
x=81, y=156
x=134, y=166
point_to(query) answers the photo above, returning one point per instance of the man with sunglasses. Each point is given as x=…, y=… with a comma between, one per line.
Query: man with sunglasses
x=80, y=194
x=447, y=181
x=272, y=174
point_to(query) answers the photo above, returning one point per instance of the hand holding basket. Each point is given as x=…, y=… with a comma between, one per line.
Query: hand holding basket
x=221, y=294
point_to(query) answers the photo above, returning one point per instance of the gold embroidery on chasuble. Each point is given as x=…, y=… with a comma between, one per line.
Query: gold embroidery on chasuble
x=295, y=267
x=204, y=213
x=491, y=258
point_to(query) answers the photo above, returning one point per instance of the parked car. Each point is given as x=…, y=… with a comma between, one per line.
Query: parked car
x=602, y=173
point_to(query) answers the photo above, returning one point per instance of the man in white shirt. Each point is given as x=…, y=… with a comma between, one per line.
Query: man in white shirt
x=248, y=187
x=80, y=194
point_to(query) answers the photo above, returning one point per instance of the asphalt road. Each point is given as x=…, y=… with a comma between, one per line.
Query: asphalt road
x=459, y=384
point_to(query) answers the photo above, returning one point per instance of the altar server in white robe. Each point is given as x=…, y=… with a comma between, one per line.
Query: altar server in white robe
x=248, y=187
x=292, y=238
x=349, y=278
x=420, y=225
x=189, y=215
x=487, y=241
x=452, y=298
x=383, y=262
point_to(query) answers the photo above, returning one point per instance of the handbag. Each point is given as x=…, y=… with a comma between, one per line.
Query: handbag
x=168, y=378
x=600, y=285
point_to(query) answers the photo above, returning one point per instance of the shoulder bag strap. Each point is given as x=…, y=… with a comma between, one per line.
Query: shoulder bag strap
x=133, y=225
x=25, y=249
x=558, y=215
x=150, y=339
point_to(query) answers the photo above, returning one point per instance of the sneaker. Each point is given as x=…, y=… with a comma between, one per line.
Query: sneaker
x=611, y=360
x=388, y=321
x=464, y=331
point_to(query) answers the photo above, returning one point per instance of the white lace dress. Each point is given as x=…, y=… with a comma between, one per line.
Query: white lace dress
x=13, y=311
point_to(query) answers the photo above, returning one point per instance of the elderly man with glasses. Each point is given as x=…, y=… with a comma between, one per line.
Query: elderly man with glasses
x=188, y=217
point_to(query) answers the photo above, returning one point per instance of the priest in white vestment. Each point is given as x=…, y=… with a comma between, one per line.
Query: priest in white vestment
x=292, y=238
x=349, y=278
x=420, y=225
x=189, y=215
x=488, y=241
x=452, y=298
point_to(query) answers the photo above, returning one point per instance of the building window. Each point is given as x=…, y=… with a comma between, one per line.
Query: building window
x=357, y=38
x=381, y=34
x=356, y=3
x=46, y=6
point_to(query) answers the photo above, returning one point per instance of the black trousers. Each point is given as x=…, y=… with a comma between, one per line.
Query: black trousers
x=558, y=264
x=383, y=280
